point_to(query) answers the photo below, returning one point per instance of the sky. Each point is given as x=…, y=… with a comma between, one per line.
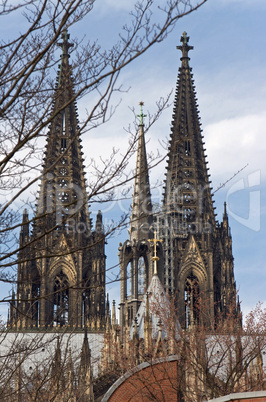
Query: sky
x=228, y=62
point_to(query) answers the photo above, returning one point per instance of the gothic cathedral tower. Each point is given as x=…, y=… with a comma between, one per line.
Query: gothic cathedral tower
x=61, y=270
x=198, y=249
x=196, y=260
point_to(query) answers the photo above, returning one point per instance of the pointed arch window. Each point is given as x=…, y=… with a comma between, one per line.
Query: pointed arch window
x=64, y=123
x=61, y=300
x=191, y=299
x=129, y=280
x=63, y=145
x=36, y=303
x=187, y=148
x=141, y=276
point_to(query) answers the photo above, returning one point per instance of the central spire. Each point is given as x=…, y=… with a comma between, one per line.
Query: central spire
x=141, y=218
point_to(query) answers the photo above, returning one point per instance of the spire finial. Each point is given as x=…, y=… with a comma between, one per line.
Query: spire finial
x=65, y=45
x=225, y=209
x=155, y=258
x=141, y=115
x=185, y=48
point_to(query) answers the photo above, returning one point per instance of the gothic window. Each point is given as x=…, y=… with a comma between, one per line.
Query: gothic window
x=64, y=123
x=188, y=198
x=188, y=186
x=63, y=196
x=63, y=171
x=63, y=183
x=63, y=161
x=36, y=303
x=188, y=214
x=63, y=144
x=129, y=280
x=141, y=276
x=61, y=300
x=187, y=148
x=191, y=299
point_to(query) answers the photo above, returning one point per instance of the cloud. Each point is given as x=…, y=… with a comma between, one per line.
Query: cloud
x=105, y=7
x=234, y=143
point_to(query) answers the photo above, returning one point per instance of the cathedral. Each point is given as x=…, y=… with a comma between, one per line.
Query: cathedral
x=179, y=252
x=195, y=250
x=61, y=270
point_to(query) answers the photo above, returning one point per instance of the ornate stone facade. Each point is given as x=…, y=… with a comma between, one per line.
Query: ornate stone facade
x=195, y=254
x=61, y=271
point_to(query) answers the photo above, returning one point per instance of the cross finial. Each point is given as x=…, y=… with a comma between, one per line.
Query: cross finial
x=185, y=48
x=155, y=258
x=65, y=45
x=141, y=115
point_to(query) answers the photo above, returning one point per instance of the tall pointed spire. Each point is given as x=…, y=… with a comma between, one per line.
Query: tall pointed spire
x=135, y=255
x=63, y=184
x=141, y=213
x=187, y=190
x=187, y=201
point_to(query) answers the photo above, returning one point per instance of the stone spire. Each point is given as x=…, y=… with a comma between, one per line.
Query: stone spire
x=141, y=212
x=147, y=327
x=57, y=375
x=85, y=372
x=62, y=189
x=135, y=255
x=187, y=188
x=24, y=233
x=187, y=202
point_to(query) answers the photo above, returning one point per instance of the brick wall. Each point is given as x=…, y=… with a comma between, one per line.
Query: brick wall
x=156, y=382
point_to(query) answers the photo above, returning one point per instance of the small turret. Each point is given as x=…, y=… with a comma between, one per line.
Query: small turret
x=85, y=372
x=24, y=233
x=108, y=319
x=147, y=327
x=99, y=223
x=225, y=220
x=239, y=313
x=56, y=372
x=113, y=315
x=70, y=375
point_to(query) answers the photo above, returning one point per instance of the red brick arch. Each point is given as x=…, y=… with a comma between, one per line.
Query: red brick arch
x=157, y=381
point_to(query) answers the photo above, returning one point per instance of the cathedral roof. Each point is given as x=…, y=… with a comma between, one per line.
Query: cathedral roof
x=157, y=305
